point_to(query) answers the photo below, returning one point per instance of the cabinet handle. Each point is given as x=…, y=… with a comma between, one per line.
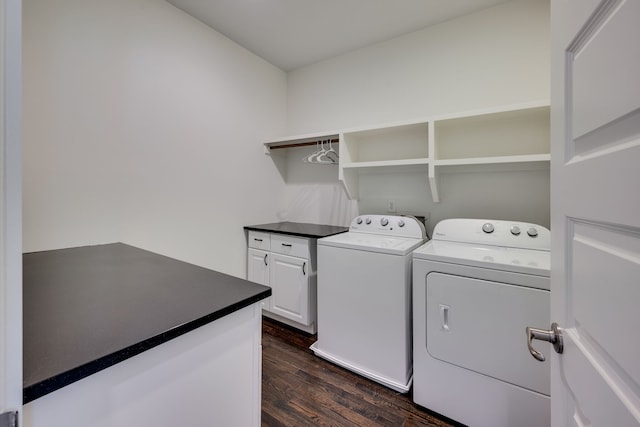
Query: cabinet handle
x=265, y=259
x=257, y=240
x=304, y=264
x=287, y=245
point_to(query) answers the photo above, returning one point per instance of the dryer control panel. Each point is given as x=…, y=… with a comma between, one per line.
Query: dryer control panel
x=511, y=234
x=389, y=225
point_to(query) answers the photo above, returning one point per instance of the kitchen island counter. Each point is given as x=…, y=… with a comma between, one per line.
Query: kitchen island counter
x=89, y=308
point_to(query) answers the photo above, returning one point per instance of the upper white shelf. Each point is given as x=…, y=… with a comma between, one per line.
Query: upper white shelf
x=526, y=158
x=300, y=141
x=514, y=134
x=385, y=163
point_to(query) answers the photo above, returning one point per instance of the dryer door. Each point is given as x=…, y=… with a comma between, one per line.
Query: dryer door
x=478, y=325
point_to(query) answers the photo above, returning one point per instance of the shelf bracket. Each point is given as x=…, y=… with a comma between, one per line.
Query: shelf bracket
x=433, y=183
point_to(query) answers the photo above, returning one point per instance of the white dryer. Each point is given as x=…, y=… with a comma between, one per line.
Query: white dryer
x=364, y=298
x=476, y=286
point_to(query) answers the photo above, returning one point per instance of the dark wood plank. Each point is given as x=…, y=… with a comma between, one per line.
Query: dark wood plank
x=301, y=389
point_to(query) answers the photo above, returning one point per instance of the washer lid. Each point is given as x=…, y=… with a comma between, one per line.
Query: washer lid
x=372, y=243
x=526, y=261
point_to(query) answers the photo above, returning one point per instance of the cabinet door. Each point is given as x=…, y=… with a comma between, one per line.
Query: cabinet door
x=258, y=270
x=290, y=286
x=258, y=266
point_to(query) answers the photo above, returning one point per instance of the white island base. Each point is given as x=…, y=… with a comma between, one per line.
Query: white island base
x=210, y=376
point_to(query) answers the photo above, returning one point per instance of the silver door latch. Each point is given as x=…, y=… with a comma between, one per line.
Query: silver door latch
x=553, y=335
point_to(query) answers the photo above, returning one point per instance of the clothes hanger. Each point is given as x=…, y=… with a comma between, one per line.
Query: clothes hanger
x=323, y=157
x=310, y=158
x=332, y=154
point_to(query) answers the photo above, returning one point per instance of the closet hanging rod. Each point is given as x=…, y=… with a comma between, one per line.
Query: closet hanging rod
x=303, y=144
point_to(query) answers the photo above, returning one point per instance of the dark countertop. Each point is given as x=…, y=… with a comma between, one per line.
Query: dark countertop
x=314, y=231
x=88, y=308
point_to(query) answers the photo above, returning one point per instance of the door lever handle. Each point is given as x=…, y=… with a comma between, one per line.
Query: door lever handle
x=553, y=335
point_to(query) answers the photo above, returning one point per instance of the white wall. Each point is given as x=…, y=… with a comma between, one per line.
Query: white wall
x=313, y=193
x=495, y=57
x=143, y=125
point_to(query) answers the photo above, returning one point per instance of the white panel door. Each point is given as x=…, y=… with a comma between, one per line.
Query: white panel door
x=10, y=210
x=290, y=287
x=595, y=202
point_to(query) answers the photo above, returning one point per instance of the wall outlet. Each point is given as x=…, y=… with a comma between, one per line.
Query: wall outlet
x=391, y=206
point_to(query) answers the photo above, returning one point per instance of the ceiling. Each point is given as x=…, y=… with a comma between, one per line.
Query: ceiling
x=293, y=33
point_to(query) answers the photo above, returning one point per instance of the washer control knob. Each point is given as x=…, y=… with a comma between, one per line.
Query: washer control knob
x=401, y=223
x=367, y=221
x=384, y=222
x=515, y=230
x=532, y=232
x=487, y=227
x=359, y=220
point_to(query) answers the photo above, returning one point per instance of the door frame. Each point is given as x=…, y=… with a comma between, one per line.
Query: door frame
x=11, y=206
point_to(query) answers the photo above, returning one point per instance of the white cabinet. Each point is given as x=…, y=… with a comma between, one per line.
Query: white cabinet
x=290, y=287
x=258, y=257
x=287, y=264
x=515, y=136
x=258, y=266
x=258, y=260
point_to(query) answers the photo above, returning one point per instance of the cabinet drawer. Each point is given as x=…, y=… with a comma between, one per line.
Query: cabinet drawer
x=259, y=240
x=290, y=245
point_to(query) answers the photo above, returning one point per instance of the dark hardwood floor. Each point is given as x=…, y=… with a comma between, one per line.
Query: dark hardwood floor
x=300, y=389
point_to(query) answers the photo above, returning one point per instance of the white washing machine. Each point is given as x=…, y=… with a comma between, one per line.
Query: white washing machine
x=364, y=298
x=476, y=286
